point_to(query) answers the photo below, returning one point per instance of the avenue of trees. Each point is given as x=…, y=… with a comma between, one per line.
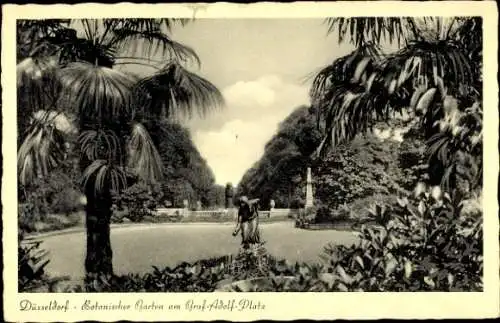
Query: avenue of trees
x=281, y=172
x=186, y=174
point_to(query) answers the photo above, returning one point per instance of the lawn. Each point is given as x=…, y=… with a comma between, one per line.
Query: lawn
x=137, y=248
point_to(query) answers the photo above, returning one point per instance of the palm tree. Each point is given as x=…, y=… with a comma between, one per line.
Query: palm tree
x=63, y=74
x=435, y=74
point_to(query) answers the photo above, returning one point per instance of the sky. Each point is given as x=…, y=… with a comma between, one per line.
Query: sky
x=264, y=69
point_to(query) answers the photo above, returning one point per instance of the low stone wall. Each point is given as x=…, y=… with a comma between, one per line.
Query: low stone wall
x=293, y=213
x=170, y=212
x=176, y=212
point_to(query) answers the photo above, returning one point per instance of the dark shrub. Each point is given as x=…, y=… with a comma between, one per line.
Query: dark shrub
x=358, y=169
x=297, y=203
x=28, y=215
x=428, y=245
x=200, y=276
x=66, y=202
x=140, y=200
x=31, y=264
x=323, y=215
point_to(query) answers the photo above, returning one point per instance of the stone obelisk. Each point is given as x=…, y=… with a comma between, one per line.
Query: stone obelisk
x=309, y=191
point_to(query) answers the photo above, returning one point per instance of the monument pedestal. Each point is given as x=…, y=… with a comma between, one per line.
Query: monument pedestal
x=250, y=262
x=309, y=191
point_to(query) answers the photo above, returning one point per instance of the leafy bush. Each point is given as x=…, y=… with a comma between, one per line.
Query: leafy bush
x=199, y=276
x=31, y=221
x=28, y=214
x=66, y=202
x=31, y=264
x=55, y=193
x=425, y=245
x=54, y=222
x=311, y=212
x=432, y=246
x=306, y=216
x=285, y=277
x=48, y=196
x=205, y=275
x=356, y=170
x=360, y=208
x=140, y=200
x=297, y=203
x=369, y=170
x=323, y=215
x=412, y=159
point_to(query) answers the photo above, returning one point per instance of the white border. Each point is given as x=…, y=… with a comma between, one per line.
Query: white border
x=278, y=306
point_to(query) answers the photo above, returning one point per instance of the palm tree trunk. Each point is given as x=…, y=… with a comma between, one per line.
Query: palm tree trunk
x=98, y=260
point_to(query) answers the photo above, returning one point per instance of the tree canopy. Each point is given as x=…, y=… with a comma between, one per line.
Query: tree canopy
x=280, y=173
x=186, y=173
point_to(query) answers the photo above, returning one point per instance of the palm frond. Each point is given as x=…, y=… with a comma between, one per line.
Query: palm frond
x=31, y=34
x=351, y=111
x=94, y=91
x=41, y=151
x=143, y=155
x=440, y=147
x=362, y=30
x=470, y=35
x=349, y=72
x=175, y=90
x=438, y=28
x=359, y=62
x=457, y=147
x=103, y=175
x=389, y=87
x=58, y=120
x=100, y=144
x=37, y=84
x=41, y=26
x=430, y=63
x=150, y=37
x=147, y=24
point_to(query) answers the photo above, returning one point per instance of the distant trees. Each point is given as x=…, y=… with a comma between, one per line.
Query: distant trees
x=278, y=175
x=217, y=196
x=187, y=175
x=229, y=195
x=365, y=167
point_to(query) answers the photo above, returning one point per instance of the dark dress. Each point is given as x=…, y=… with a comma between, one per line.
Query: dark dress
x=249, y=222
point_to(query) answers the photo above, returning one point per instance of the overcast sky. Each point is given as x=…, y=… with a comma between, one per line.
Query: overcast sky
x=261, y=66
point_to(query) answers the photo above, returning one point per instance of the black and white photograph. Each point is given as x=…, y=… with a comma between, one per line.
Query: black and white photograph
x=199, y=155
